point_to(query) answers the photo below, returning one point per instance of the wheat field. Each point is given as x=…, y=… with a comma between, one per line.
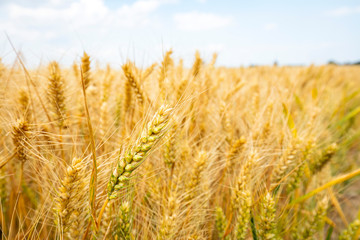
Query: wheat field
x=175, y=152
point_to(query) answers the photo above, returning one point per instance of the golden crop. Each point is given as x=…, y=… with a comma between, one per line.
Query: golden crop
x=168, y=152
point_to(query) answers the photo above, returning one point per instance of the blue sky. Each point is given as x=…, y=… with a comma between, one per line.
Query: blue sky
x=242, y=32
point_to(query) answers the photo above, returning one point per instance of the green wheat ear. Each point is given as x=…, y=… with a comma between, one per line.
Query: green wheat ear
x=136, y=154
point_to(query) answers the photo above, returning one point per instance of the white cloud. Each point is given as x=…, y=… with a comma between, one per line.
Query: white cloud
x=80, y=14
x=51, y=25
x=195, y=21
x=343, y=11
x=270, y=26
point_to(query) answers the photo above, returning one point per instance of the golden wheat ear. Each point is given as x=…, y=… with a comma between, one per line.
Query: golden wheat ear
x=197, y=65
x=70, y=208
x=268, y=225
x=56, y=94
x=195, y=178
x=242, y=197
x=20, y=137
x=85, y=68
x=124, y=228
x=170, y=148
x=148, y=71
x=165, y=64
x=167, y=228
x=132, y=81
x=24, y=102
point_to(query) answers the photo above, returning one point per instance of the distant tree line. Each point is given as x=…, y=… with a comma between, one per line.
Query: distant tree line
x=332, y=62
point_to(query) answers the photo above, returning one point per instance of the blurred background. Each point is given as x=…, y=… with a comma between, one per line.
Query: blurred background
x=244, y=33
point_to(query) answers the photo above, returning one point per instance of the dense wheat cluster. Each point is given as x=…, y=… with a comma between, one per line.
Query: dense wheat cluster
x=174, y=152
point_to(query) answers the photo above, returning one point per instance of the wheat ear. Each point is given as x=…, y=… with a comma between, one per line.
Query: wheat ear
x=165, y=64
x=85, y=68
x=20, y=136
x=136, y=154
x=24, y=102
x=317, y=220
x=167, y=228
x=349, y=232
x=71, y=198
x=148, y=72
x=242, y=200
x=268, y=228
x=287, y=161
x=327, y=154
x=195, y=177
x=130, y=76
x=220, y=223
x=56, y=94
x=124, y=227
x=197, y=65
